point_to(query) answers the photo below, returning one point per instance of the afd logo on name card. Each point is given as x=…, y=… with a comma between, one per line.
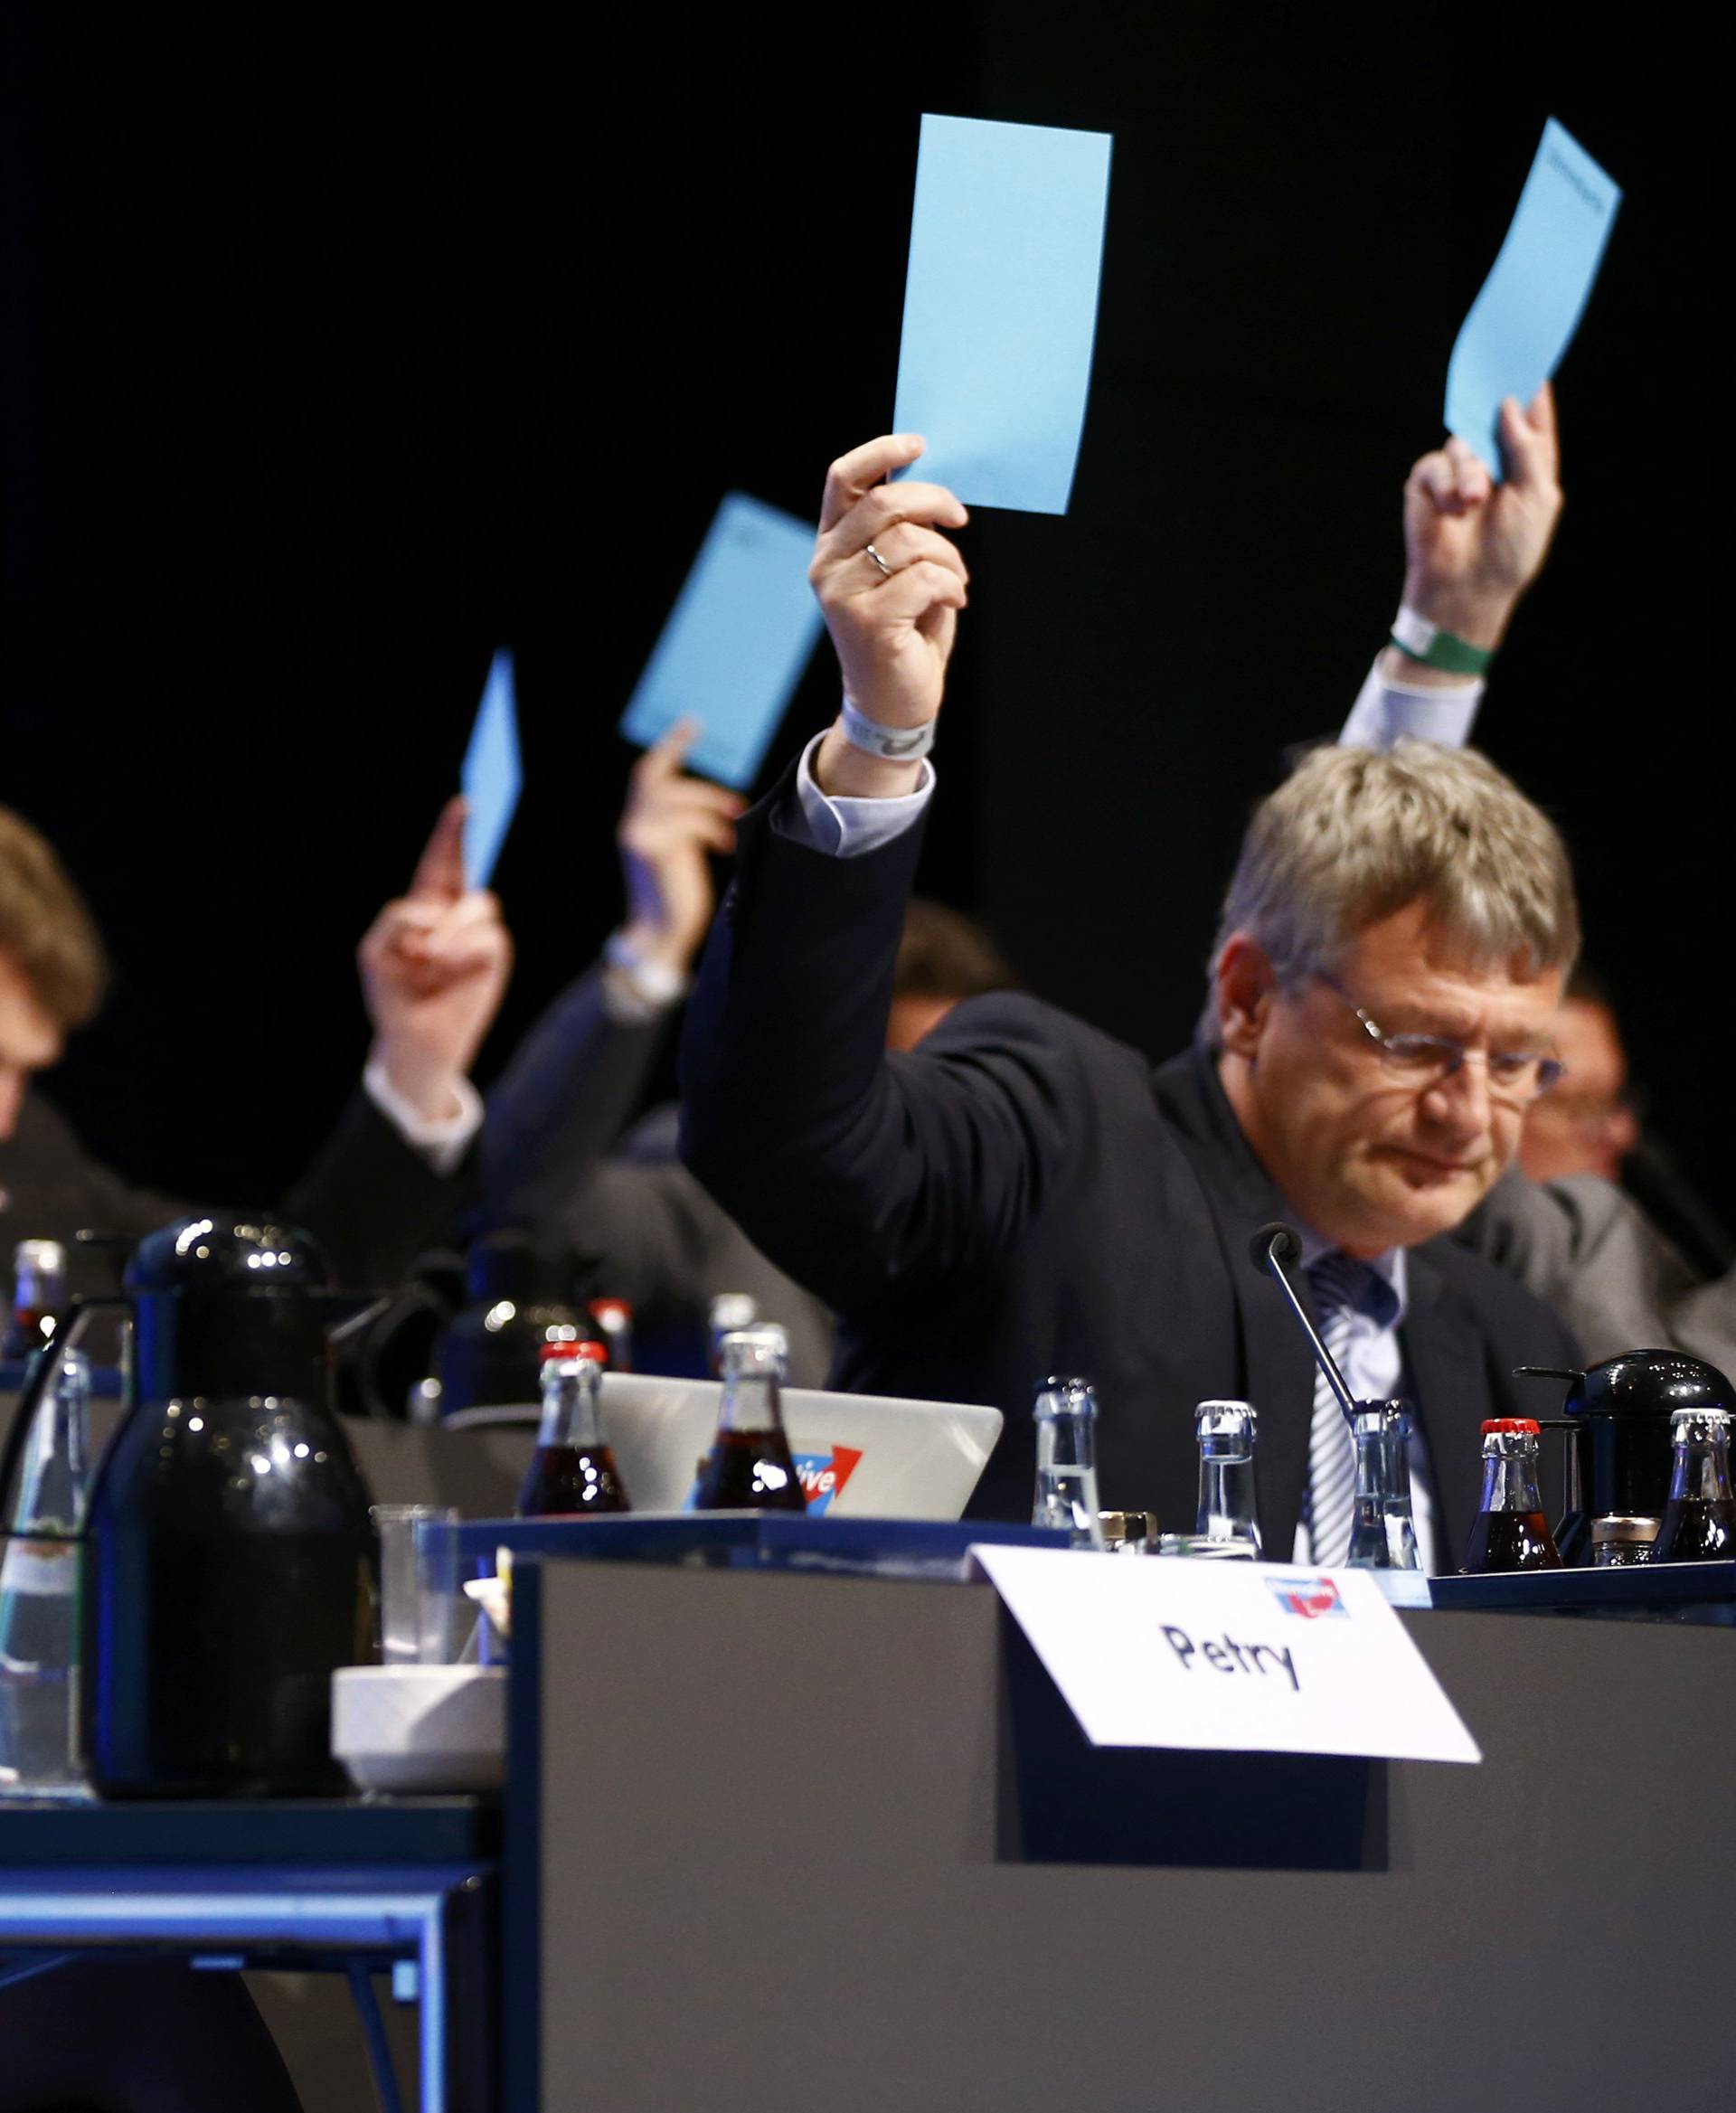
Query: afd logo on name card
x=823, y=1475
x=1310, y=1598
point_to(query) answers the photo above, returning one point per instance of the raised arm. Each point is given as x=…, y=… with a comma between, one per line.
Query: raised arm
x=580, y=1072
x=857, y=1172
x=1472, y=549
x=390, y=1180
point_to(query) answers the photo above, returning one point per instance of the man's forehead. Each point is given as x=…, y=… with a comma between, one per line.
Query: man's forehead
x=1410, y=958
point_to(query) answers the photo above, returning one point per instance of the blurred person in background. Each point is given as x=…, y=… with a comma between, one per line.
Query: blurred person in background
x=1598, y=1219
x=1588, y=1125
x=613, y=1202
x=386, y=1182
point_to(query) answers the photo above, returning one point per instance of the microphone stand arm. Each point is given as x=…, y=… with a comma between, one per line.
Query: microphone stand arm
x=1323, y=1358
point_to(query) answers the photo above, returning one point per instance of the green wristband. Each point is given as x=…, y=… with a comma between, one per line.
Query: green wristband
x=1428, y=643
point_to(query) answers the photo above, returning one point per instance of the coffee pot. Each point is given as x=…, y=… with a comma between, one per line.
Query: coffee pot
x=229, y=1556
x=1617, y=1418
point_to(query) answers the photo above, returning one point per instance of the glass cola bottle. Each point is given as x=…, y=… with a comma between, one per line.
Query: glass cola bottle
x=613, y=1320
x=1510, y=1532
x=572, y=1472
x=38, y=1298
x=1700, y=1519
x=1066, y=1492
x=749, y=1467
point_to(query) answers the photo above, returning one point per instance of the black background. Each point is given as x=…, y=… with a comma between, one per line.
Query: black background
x=325, y=367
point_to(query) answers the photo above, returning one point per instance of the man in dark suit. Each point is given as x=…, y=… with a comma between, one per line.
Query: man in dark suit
x=387, y=1182
x=1023, y=1194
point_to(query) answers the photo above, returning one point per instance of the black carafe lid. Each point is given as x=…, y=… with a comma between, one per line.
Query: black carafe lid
x=227, y=1304
x=226, y=1253
x=1642, y=1382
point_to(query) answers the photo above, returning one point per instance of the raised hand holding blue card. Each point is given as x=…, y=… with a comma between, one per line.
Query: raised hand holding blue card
x=736, y=642
x=492, y=774
x=1000, y=307
x=1525, y=318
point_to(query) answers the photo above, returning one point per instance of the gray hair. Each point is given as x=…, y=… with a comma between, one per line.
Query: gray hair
x=1355, y=834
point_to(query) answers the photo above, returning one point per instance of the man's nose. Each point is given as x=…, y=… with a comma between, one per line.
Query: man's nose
x=1460, y=1101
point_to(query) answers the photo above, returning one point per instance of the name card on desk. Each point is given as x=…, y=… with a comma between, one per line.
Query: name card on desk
x=1247, y=1657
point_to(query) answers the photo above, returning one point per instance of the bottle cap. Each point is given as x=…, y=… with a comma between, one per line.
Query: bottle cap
x=593, y=1351
x=1717, y=1419
x=1624, y=1527
x=730, y=1310
x=762, y=1348
x=1061, y=1396
x=1528, y=1423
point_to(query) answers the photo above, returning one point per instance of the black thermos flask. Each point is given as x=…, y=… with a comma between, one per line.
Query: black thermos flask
x=229, y=1556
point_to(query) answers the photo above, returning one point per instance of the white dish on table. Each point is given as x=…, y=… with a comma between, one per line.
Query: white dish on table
x=417, y=1728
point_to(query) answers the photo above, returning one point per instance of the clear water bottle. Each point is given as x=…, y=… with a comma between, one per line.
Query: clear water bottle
x=1226, y=1431
x=1066, y=1494
x=1382, y=1536
x=39, y=1575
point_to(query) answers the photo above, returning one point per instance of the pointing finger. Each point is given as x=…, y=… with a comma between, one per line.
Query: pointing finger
x=663, y=759
x=439, y=870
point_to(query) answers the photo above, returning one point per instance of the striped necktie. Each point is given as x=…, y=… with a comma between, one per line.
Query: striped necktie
x=1338, y=1282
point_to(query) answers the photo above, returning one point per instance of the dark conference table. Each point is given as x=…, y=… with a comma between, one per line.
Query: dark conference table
x=781, y=1837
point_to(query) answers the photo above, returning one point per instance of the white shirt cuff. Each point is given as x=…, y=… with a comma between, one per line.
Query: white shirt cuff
x=636, y=991
x=442, y=1142
x=845, y=828
x=1385, y=710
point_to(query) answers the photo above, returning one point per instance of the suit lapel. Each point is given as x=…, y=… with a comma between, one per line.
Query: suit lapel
x=1277, y=1367
x=1447, y=1375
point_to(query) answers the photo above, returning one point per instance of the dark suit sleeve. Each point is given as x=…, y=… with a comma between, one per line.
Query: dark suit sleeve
x=564, y=1098
x=372, y=1201
x=57, y=1189
x=861, y=1173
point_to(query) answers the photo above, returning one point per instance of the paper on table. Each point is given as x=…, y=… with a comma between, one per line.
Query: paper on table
x=1239, y=1656
x=736, y=642
x=493, y=775
x=1000, y=307
x=1525, y=318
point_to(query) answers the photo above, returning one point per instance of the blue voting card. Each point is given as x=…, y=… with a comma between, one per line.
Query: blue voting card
x=493, y=773
x=1000, y=307
x=1525, y=318
x=736, y=642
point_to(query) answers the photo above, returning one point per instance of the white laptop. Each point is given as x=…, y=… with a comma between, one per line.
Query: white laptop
x=861, y=1456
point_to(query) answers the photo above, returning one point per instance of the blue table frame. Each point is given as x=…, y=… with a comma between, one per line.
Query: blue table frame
x=313, y=1884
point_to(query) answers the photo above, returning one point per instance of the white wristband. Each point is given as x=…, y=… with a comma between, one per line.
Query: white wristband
x=891, y=744
x=655, y=982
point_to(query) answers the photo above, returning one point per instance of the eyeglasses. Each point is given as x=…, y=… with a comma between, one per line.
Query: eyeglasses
x=1516, y=1076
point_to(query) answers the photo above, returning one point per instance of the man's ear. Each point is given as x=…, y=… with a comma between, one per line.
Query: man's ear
x=1243, y=987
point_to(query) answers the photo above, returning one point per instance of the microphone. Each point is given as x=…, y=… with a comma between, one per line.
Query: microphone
x=1277, y=1247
